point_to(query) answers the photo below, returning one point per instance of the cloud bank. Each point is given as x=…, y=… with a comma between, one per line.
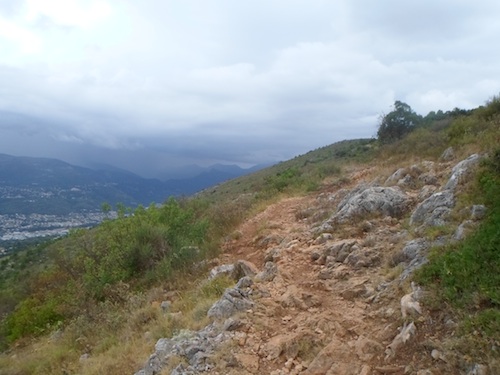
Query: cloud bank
x=151, y=85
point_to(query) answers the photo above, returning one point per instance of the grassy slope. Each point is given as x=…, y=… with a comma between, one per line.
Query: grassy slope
x=464, y=277
x=101, y=286
x=302, y=173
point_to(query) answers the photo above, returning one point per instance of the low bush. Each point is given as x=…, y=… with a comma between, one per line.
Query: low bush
x=32, y=316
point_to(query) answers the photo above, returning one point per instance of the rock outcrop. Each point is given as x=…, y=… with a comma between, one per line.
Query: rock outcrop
x=198, y=348
x=232, y=301
x=371, y=201
x=434, y=210
x=460, y=170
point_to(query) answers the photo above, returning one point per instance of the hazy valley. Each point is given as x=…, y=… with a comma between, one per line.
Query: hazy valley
x=42, y=197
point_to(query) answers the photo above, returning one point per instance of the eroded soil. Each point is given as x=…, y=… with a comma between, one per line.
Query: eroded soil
x=321, y=316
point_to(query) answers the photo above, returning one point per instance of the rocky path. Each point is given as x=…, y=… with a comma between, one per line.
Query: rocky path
x=328, y=291
x=312, y=317
x=338, y=304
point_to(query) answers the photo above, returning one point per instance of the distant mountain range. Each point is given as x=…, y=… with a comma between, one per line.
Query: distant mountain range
x=49, y=186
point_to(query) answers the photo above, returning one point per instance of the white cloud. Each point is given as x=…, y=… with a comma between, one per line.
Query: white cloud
x=55, y=32
x=71, y=13
x=14, y=37
x=273, y=78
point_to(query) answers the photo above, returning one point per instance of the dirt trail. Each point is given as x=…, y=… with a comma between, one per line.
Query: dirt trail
x=315, y=316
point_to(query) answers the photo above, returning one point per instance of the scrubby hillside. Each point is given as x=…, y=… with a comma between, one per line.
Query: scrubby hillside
x=357, y=258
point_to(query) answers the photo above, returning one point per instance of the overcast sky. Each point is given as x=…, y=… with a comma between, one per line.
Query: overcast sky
x=153, y=84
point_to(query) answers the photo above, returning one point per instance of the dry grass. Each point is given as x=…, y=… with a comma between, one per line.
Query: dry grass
x=42, y=358
x=119, y=359
x=223, y=357
x=117, y=339
x=109, y=352
x=174, y=361
x=394, y=272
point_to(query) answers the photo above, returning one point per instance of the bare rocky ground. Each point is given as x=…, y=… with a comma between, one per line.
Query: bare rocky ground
x=316, y=318
x=327, y=288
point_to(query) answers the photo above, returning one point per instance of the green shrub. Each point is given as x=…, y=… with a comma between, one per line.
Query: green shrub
x=328, y=169
x=215, y=287
x=486, y=321
x=284, y=179
x=481, y=129
x=463, y=129
x=32, y=317
x=491, y=109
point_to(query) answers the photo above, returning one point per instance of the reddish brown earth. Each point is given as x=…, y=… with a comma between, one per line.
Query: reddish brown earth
x=319, y=318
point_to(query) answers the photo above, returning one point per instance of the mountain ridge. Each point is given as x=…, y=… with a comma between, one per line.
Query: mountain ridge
x=52, y=186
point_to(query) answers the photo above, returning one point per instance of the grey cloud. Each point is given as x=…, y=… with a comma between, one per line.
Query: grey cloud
x=194, y=82
x=421, y=21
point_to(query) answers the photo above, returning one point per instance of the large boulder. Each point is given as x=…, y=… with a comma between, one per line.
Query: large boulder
x=197, y=350
x=371, y=201
x=235, y=271
x=448, y=154
x=415, y=248
x=415, y=253
x=222, y=270
x=460, y=170
x=232, y=301
x=434, y=210
x=396, y=176
x=244, y=268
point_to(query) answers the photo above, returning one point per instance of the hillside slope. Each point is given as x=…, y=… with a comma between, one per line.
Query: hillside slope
x=330, y=291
